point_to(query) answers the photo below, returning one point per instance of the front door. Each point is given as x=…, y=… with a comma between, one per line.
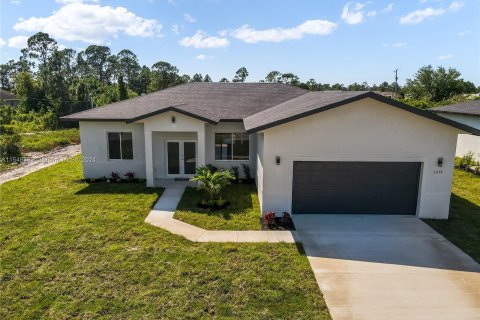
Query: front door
x=181, y=158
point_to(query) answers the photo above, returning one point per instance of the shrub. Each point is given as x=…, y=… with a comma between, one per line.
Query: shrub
x=236, y=172
x=213, y=182
x=212, y=168
x=246, y=171
x=114, y=175
x=287, y=220
x=130, y=175
x=10, y=148
x=269, y=218
x=467, y=160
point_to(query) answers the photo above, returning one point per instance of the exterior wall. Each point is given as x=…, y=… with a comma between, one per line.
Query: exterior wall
x=466, y=142
x=94, y=143
x=365, y=130
x=226, y=127
x=259, y=158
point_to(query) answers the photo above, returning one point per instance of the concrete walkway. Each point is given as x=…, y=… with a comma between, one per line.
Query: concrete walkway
x=162, y=216
x=389, y=267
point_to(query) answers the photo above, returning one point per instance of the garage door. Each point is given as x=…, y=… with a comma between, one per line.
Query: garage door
x=355, y=187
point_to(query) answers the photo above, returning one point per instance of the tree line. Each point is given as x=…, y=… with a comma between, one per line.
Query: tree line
x=47, y=78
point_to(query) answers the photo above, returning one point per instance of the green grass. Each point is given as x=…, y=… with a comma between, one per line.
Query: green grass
x=242, y=214
x=48, y=140
x=6, y=166
x=463, y=226
x=73, y=250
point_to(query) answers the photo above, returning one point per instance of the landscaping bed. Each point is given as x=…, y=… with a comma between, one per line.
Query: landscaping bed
x=242, y=214
x=79, y=250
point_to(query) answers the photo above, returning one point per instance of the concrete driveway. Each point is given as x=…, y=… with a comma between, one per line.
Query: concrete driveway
x=389, y=267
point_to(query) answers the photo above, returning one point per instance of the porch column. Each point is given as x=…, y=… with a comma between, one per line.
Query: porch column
x=201, y=147
x=149, y=159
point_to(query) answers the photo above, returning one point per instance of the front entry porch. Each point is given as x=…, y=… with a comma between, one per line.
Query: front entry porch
x=173, y=155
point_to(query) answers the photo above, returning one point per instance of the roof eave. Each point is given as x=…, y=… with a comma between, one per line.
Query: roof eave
x=172, y=108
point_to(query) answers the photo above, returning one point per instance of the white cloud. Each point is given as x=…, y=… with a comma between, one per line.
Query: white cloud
x=2, y=42
x=355, y=14
x=464, y=33
x=445, y=57
x=90, y=23
x=456, y=5
x=313, y=27
x=18, y=42
x=388, y=8
x=175, y=29
x=418, y=16
x=204, y=57
x=189, y=18
x=15, y=1
x=372, y=13
x=201, y=40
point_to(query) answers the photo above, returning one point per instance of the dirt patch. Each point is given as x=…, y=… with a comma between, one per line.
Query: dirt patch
x=34, y=161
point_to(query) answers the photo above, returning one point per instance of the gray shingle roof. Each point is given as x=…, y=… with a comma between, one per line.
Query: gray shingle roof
x=213, y=101
x=259, y=105
x=469, y=108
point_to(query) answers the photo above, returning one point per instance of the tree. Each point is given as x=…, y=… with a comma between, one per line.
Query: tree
x=207, y=78
x=128, y=66
x=290, y=78
x=224, y=80
x=40, y=48
x=434, y=85
x=163, y=75
x=7, y=74
x=274, y=76
x=27, y=92
x=143, y=82
x=197, y=77
x=240, y=75
x=122, y=89
x=94, y=61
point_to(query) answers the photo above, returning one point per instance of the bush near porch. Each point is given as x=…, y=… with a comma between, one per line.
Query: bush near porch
x=243, y=213
x=76, y=250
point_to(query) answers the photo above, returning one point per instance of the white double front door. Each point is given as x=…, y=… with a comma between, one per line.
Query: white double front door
x=181, y=158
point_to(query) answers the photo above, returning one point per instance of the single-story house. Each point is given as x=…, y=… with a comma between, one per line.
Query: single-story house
x=467, y=113
x=8, y=98
x=309, y=152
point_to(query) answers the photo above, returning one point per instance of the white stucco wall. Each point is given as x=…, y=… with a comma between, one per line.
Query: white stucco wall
x=365, y=130
x=466, y=142
x=94, y=143
x=259, y=164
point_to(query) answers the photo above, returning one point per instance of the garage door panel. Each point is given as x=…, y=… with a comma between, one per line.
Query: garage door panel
x=355, y=187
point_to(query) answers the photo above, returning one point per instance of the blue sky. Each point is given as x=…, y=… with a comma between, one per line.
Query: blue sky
x=330, y=41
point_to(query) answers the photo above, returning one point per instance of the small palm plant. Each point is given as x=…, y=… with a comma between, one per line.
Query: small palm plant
x=213, y=182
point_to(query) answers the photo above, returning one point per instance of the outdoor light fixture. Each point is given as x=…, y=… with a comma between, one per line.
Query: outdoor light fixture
x=277, y=160
x=173, y=119
x=440, y=162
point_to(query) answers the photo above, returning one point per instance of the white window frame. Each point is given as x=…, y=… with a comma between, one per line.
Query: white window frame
x=108, y=144
x=232, y=133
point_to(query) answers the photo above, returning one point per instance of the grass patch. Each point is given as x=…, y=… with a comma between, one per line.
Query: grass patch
x=74, y=250
x=48, y=140
x=242, y=214
x=6, y=166
x=463, y=226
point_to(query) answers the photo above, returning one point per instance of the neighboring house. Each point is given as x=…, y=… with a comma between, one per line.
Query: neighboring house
x=8, y=98
x=467, y=113
x=310, y=152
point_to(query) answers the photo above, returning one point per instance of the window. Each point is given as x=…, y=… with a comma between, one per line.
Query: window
x=120, y=145
x=232, y=146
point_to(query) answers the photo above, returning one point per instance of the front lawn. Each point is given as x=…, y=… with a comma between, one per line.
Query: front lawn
x=463, y=226
x=242, y=214
x=73, y=250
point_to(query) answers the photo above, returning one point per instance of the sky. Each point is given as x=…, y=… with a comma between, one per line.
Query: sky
x=330, y=41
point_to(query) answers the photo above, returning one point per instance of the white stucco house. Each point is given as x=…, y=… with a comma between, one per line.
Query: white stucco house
x=467, y=113
x=310, y=152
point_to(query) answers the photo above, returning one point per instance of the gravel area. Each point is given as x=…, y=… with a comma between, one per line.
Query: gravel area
x=34, y=161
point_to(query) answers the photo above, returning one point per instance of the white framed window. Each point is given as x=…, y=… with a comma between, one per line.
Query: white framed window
x=120, y=145
x=232, y=146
